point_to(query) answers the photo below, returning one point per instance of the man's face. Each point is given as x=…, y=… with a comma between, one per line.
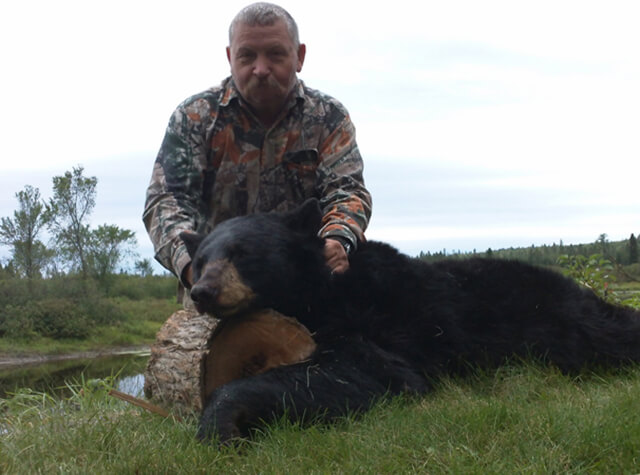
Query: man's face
x=264, y=62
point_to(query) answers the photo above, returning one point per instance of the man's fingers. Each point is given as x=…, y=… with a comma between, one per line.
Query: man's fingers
x=336, y=256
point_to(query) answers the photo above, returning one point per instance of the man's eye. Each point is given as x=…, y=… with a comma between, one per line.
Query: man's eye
x=278, y=53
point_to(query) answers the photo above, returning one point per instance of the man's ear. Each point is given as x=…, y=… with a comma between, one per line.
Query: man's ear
x=192, y=241
x=306, y=218
x=302, y=52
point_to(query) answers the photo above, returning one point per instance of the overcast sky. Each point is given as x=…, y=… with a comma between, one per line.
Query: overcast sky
x=482, y=124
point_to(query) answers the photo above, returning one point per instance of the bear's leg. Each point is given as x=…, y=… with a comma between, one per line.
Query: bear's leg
x=333, y=383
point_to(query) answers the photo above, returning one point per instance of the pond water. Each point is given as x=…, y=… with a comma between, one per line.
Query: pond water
x=54, y=377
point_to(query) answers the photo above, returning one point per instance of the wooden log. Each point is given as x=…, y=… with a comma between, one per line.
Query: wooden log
x=195, y=353
x=174, y=371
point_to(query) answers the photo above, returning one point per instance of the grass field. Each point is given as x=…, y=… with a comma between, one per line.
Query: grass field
x=522, y=418
x=140, y=321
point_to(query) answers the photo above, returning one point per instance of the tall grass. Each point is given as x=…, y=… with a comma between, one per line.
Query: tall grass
x=54, y=312
x=519, y=419
x=136, y=324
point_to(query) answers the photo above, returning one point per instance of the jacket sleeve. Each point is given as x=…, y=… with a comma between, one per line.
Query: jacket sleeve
x=345, y=201
x=174, y=196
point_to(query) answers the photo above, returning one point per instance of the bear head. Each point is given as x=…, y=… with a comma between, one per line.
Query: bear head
x=272, y=260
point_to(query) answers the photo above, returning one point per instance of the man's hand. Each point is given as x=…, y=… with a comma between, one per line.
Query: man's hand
x=336, y=256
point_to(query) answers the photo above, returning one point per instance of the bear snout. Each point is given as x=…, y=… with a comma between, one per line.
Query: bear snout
x=204, y=296
x=220, y=291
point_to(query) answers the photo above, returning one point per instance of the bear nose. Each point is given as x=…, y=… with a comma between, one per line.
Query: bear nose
x=204, y=293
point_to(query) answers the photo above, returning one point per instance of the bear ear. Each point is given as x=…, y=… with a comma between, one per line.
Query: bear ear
x=306, y=218
x=192, y=241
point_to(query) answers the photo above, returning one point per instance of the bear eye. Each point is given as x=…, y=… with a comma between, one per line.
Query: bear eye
x=237, y=252
x=197, y=265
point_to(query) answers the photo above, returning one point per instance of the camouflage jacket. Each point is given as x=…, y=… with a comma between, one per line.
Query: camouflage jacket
x=218, y=161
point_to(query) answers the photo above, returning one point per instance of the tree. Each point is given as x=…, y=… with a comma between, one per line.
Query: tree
x=144, y=267
x=603, y=242
x=633, y=249
x=107, y=246
x=74, y=197
x=29, y=254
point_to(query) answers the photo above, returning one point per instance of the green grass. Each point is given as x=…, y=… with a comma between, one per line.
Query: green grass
x=141, y=319
x=520, y=419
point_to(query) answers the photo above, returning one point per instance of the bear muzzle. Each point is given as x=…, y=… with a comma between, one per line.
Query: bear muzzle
x=220, y=291
x=203, y=295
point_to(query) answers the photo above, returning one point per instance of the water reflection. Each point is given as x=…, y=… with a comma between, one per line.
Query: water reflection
x=54, y=377
x=132, y=384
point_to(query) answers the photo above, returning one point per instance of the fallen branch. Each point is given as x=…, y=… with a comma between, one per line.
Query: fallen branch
x=143, y=404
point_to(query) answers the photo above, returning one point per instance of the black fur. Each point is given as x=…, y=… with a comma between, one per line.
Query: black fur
x=391, y=324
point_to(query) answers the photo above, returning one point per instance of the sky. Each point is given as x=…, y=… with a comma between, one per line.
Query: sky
x=489, y=124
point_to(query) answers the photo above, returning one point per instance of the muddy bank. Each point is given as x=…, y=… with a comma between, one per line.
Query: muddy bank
x=22, y=359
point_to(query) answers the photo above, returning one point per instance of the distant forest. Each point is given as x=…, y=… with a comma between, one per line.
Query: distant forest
x=621, y=253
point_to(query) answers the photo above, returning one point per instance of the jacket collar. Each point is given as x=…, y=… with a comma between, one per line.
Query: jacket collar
x=231, y=93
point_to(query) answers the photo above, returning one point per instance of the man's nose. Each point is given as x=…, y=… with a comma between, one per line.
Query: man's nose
x=261, y=67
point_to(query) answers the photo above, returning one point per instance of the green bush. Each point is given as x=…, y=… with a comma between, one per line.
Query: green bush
x=102, y=312
x=68, y=307
x=15, y=323
x=594, y=272
x=71, y=287
x=16, y=291
x=58, y=318
x=53, y=318
x=633, y=270
x=13, y=291
x=135, y=287
x=154, y=310
x=61, y=318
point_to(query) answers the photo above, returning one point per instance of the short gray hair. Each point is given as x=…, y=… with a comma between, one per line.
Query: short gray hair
x=265, y=14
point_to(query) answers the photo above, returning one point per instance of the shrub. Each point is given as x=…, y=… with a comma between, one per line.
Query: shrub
x=155, y=310
x=15, y=323
x=13, y=292
x=59, y=318
x=594, y=272
x=53, y=318
x=102, y=311
x=633, y=270
x=140, y=288
x=71, y=287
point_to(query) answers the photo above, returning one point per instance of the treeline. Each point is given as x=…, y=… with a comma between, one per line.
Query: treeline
x=624, y=253
x=74, y=283
x=73, y=246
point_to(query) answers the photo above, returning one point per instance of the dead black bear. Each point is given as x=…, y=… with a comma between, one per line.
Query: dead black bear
x=390, y=324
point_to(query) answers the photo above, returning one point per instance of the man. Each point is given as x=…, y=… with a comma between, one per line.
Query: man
x=261, y=141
